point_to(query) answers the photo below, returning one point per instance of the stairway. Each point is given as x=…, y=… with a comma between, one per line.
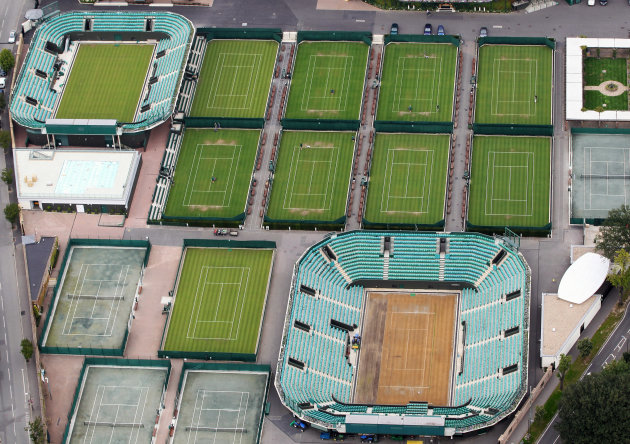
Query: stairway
x=442, y=266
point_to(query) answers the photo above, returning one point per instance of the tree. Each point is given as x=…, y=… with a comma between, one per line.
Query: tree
x=619, y=275
x=596, y=409
x=36, y=431
x=7, y=61
x=7, y=176
x=11, y=212
x=27, y=349
x=614, y=234
x=563, y=366
x=585, y=346
x=5, y=139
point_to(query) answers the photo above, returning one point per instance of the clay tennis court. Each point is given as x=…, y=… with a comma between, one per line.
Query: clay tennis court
x=407, y=348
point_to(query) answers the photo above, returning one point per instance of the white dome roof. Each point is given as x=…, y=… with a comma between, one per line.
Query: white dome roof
x=583, y=278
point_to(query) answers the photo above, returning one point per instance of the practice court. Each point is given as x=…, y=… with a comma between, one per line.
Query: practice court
x=117, y=404
x=95, y=297
x=220, y=407
x=407, y=348
x=601, y=174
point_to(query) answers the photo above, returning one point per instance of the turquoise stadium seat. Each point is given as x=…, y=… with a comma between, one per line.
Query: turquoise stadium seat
x=169, y=67
x=327, y=373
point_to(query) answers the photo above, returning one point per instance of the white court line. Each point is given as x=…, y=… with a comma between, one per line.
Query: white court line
x=200, y=421
x=340, y=94
x=218, y=76
x=590, y=198
x=389, y=172
x=496, y=86
x=490, y=181
x=398, y=88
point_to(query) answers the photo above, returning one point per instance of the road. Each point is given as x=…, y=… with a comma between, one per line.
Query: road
x=612, y=349
x=547, y=257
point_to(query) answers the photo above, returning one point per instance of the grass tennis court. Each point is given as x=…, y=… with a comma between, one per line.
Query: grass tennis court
x=601, y=174
x=219, y=301
x=105, y=82
x=510, y=181
x=419, y=76
x=95, y=298
x=117, y=404
x=408, y=179
x=312, y=174
x=234, y=79
x=514, y=84
x=227, y=156
x=327, y=80
x=598, y=71
x=220, y=407
x=407, y=348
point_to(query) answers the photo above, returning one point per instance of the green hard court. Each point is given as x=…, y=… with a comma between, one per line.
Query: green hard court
x=417, y=83
x=235, y=78
x=514, y=84
x=312, y=176
x=510, y=181
x=408, y=179
x=213, y=173
x=105, y=82
x=327, y=81
x=219, y=300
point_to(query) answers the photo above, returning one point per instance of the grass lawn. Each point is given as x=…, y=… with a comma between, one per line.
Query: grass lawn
x=226, y=155
x=105, y=82
x=235, y=78
x=421, y=76
x=597, y=71
x=322, y=67
x=219, y=300
x=510, y=181
x=408, y=179
x=311, y=183
x=514, y=85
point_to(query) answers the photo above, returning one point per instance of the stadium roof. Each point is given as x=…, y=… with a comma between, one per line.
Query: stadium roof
x=583, y=278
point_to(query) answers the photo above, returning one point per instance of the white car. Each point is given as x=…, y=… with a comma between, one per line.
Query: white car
x=12, y=37
x=3, y=81
x=591, y=2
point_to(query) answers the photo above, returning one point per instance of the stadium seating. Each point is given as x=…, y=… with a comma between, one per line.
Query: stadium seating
x=467, y=258
x=169, y=67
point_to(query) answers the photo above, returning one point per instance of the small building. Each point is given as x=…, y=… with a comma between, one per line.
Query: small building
x=566, y=314
x=40, y=260
x=76, y=179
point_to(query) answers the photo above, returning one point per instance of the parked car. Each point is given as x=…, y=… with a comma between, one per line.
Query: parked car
x=394, y=30
x=440, y=30
x=3, y=73
x=428, y=29
x=603, y=2
x=3, y=82
x=12, y=37
x=483, y=32
x=592, y=2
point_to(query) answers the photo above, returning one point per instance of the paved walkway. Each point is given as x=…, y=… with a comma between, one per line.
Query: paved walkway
x=603, y=88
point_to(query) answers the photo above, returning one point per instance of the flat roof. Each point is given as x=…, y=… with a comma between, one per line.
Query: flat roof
x=559, y=319
x=37, y=261
x=75, y=176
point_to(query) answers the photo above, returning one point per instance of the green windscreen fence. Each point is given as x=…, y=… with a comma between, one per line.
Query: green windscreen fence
x=517, y=41
x=298, y=224
x=320, y=124
x=438, y=226
x=193, y=221
x=586, y=220
x=512, y=130
x=224, y=122
x=391, y=126
x=115, y=362
x=545, y=230
x=228, y=243
x=419, y=38
x=96, y=351
x=346, y=36
x=600, y=130
x=240, y=33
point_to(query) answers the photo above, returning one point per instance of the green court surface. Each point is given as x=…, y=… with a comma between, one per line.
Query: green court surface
x=105, y=82
x=510, y=180
x=327, y=80
x=311, y=180
x=95, y=298
x=220, y=407
x=598, y=71
x=408, y=179
x=219, y=301
x=420, y=76
x=514, y=84
x=117, y=404
x=235, y=78
x=227, y=156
